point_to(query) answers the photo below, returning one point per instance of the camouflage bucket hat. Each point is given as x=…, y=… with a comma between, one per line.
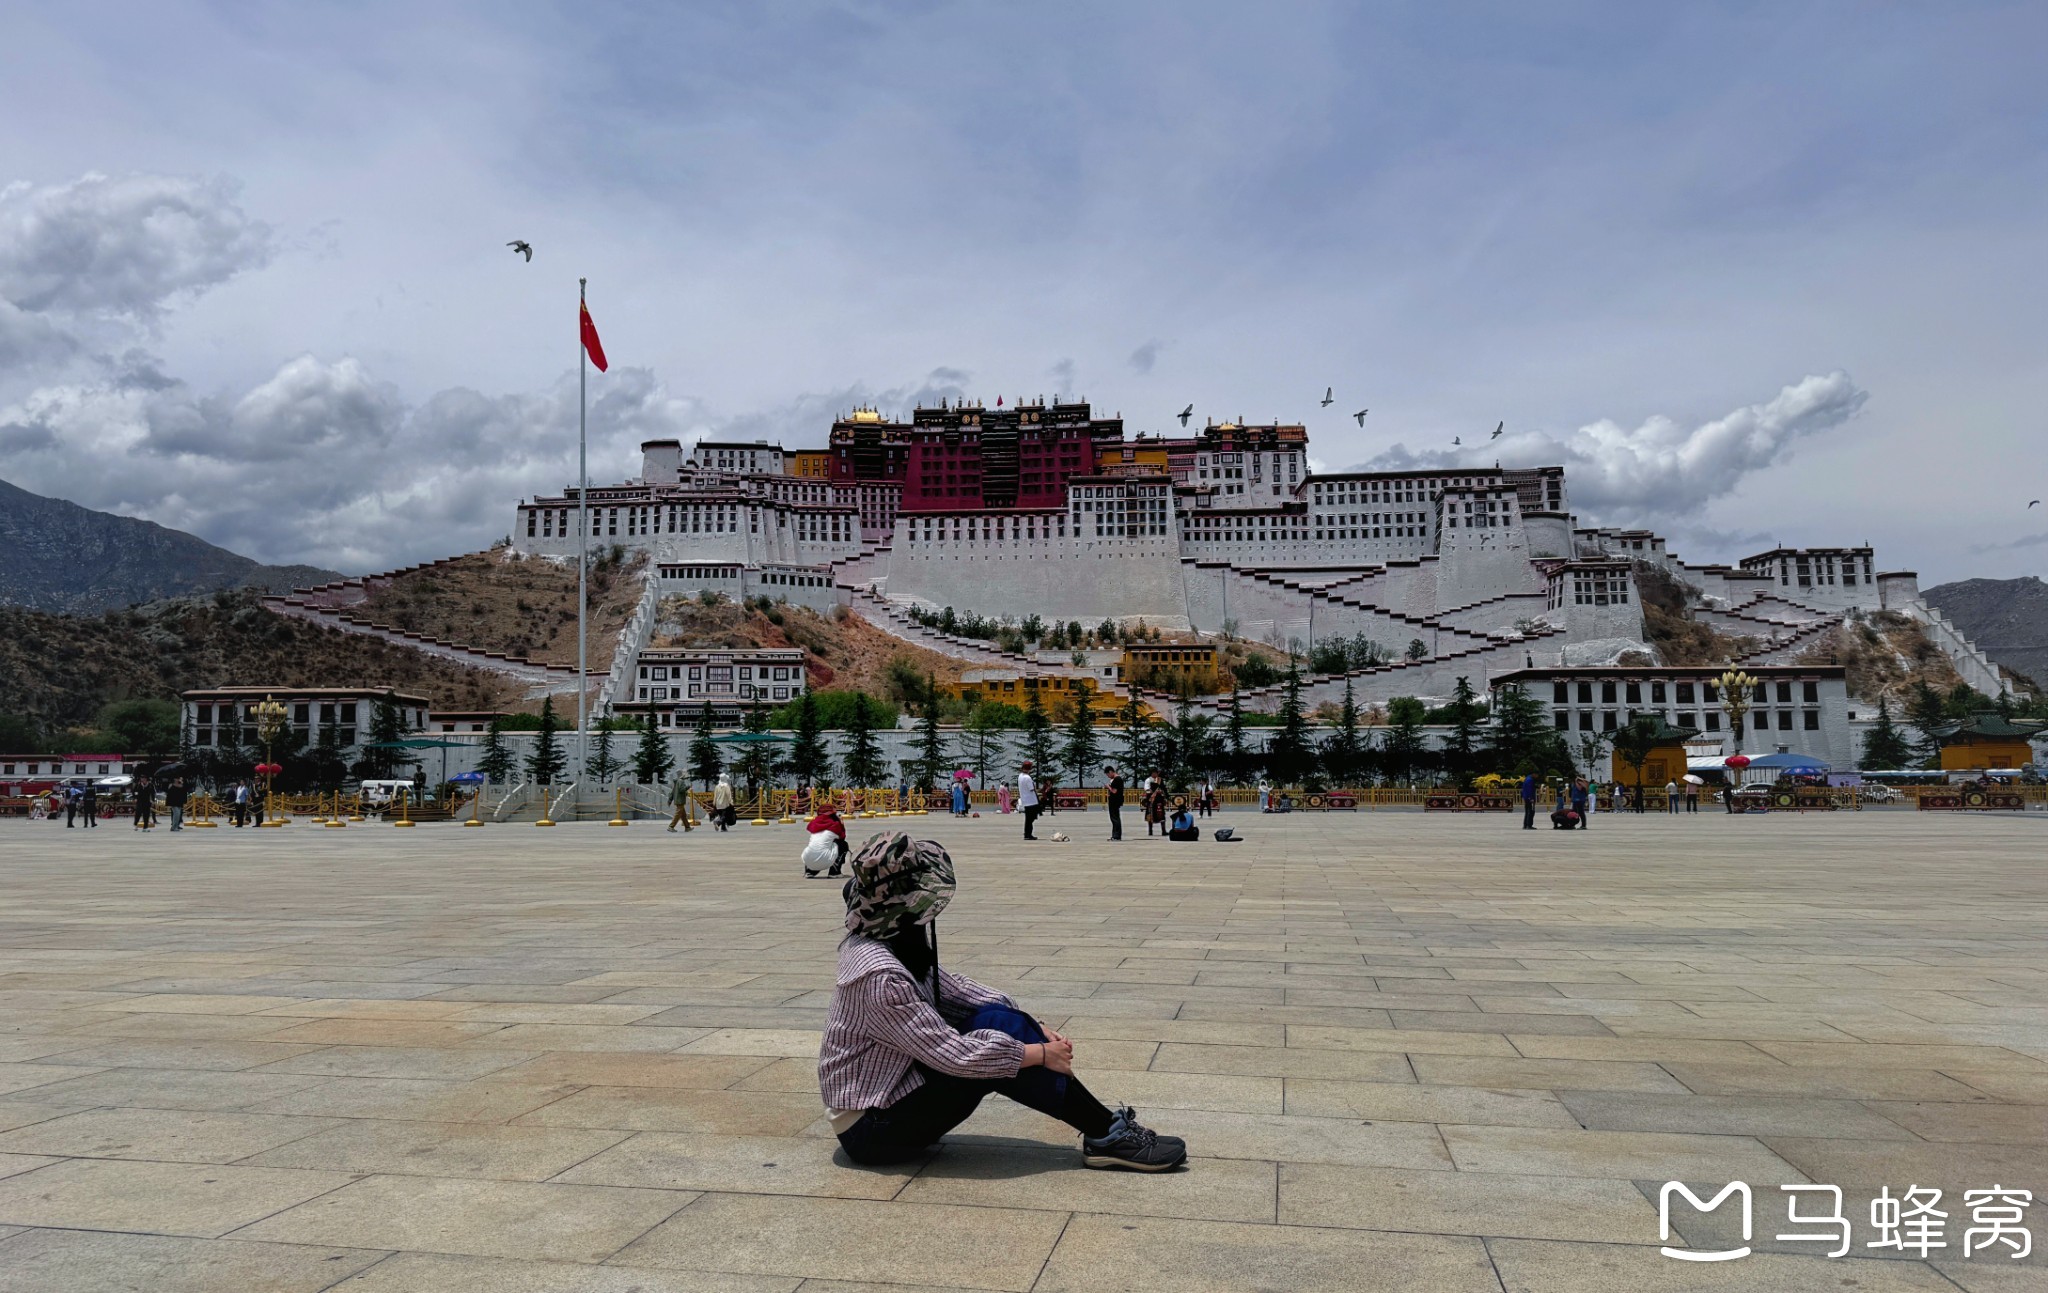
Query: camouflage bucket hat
x=897, y=883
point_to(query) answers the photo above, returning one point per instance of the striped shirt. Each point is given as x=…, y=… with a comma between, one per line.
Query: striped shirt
x=882, y=1025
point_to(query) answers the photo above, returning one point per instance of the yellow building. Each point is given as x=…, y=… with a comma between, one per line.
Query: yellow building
x=1987, y=741
x=815, y=464
x=1172, y=666
x=1137, y=459
x=1055, y=691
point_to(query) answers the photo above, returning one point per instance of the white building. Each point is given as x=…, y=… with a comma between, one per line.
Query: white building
x=675, y=683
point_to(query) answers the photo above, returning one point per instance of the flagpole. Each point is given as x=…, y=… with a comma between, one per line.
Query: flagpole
x=582, y=532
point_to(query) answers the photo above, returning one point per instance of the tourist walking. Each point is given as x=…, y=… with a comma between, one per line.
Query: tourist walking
x=1205, y=799
x=959, y=798
x=679, y=798
x=1580, y=798
x=1003, y=801
x=722, y=812
x=1529, y=802
x=175, y=795
x=1265, y=796
x=1027, y=797
x=910, y=1048
x=1155, y=804
x=1692, y=796
x=1115, y=801
x=145, y=804
x=89, y=804
x=238, y=803
x=71, y=797
x=1671, y=804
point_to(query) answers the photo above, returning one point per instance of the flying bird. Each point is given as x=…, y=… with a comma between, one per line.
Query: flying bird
x=1360, y=415
x=1455, y=441
x=2036, y=503
x=521, y=247
x=1185, y=414
x=1329, y=396
x=1497, y=430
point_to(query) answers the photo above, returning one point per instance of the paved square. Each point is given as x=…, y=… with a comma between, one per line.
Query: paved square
x=1408, y=1052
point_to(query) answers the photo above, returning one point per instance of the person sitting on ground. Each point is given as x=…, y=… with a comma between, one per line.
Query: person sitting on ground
x=911, y=1048
x=1181, y=826
x=826, y=825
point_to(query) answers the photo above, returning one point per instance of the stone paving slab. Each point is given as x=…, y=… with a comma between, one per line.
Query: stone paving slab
x=1408, y=1052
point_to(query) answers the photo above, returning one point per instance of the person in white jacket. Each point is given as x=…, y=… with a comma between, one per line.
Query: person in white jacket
x=721, y=801
x=1027, y=797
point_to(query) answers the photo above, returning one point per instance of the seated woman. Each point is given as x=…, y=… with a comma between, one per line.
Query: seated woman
x=910, y=1049
x=1181, y=826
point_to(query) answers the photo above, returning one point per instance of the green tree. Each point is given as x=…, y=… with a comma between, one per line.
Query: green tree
x=1417, y=649
x=1927, y=711
x=835, y=710
x=547, y=762
x=144, y=727
x=1344, y=751
x=494, y=759
x=809, y=761
x=20, y=735
x=1140, y=751
x=1194, y=751
x=325, y=765
x=981, y=738
x=653, y=761
x=1038, y=734
x=1237, y=759
x=1404, y=743
x=1522, y=739
x=387, y=725
x=604, y=765
x=862, y=762
x=706, y=760
x=1634, y=742
x=1464, y=714
x=759, y=761
x=930, y=765
x=1885, y=747
x=1082, y=749
x=1288, y=759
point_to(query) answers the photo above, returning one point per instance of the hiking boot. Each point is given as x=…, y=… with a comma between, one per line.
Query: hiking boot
x=1133, y=1147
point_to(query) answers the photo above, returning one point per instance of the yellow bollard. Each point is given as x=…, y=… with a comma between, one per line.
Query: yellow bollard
x=761, y=809
x=618, y=807
x=476, y=808
x=403, y=818
x=544, y=819
x=201, y=805
x=335, y=822
x=355, y=808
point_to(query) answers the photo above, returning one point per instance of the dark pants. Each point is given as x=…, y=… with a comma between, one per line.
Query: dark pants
x=70, y=813
x=1030, y=820
x=1116, y=821
x=1579, y=807
x=1528, y=814
x=907, y=1128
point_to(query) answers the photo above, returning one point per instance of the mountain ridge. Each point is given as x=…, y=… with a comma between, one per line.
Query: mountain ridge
x=73, y=560
x=2007, y=618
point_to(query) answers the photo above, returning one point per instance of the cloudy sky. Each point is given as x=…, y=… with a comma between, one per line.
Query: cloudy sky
x=1756, y=273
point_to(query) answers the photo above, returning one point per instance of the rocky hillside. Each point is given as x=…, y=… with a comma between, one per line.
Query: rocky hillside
x=1884, y=655
x=63, y=557
x=58, y=670
x=2008, y=618
x=523, y=606
x=841, y=651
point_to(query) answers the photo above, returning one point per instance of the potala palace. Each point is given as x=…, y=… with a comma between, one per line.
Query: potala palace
x=1046, y=509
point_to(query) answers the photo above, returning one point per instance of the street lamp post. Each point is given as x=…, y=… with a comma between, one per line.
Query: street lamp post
x=272, y=721
x=1737, y=687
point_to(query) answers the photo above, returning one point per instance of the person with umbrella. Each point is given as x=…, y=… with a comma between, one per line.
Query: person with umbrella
x=960, y=779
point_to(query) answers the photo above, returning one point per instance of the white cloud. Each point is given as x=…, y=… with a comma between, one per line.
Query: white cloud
x=1660, y=471
x=122, y=245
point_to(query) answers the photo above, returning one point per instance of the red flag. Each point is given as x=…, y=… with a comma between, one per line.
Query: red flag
x=999, y=401
x=591, y=345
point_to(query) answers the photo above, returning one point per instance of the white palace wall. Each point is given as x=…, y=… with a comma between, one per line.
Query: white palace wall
x=1057, y=578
